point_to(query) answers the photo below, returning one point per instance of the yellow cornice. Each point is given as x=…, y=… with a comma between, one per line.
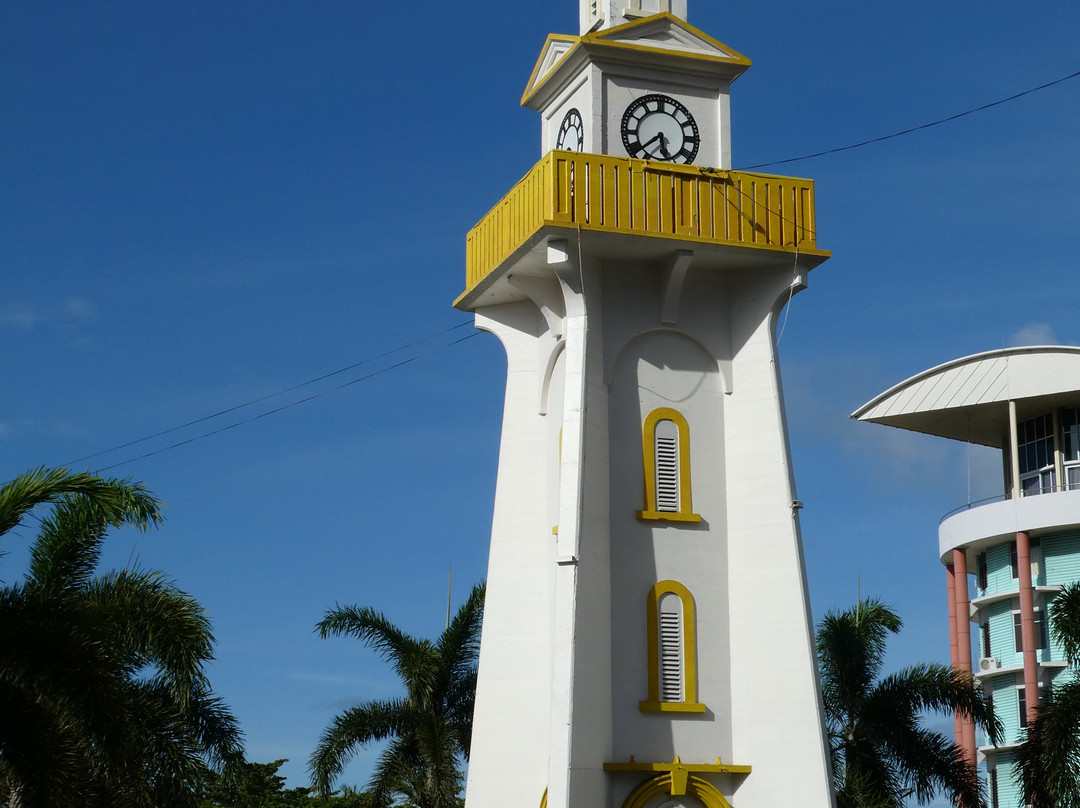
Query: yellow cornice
x=599, y=41
x=677, y=765
x=606, y=33
x=529, y=89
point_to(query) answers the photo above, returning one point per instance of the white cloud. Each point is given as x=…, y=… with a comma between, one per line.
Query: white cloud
x=69, y=313
x=1033, y=334
x=21, y=318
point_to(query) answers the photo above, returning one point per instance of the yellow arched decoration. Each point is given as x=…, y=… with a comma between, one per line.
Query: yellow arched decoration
x=676, y=784
x=648, y=451
x=543, y=800
x=652, y=640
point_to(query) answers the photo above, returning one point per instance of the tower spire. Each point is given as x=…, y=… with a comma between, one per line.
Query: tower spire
x=597, y=14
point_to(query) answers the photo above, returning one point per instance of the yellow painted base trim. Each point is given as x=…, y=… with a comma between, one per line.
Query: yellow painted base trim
x=671, y=707
x=668, y=516
x=719, y=767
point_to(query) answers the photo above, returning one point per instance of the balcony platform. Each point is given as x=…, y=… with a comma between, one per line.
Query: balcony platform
x=985, y=525
x=641, y=210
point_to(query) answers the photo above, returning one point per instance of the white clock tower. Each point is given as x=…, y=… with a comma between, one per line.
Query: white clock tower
x=647, y=639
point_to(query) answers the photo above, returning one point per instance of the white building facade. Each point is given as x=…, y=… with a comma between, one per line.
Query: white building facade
x=647, y=637
x=1007, y=557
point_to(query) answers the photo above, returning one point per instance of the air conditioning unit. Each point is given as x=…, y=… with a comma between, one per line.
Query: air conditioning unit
x=988, y=663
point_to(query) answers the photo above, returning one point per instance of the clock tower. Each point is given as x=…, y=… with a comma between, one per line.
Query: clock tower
x=647, y=639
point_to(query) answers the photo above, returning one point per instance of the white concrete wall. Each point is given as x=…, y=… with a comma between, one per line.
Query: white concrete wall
x=563, y=661
x=776, y=712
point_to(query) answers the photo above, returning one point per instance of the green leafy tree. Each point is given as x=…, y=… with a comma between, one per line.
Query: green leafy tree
x=103, y=696
x=428, y=729
x=258, y=785
x=1049, y=762
x=882, y=755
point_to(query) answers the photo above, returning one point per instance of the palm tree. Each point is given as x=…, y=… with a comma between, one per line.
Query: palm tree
x=428, y=729
x=103, y=696
x=881, y=753
x=1048, y=764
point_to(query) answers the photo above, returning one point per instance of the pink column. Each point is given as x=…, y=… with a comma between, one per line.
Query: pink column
x=954, y=649
x=963, y=642
x=1027, y=623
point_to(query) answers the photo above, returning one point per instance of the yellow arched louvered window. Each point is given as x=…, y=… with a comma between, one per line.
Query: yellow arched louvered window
x=665, y=445
x=671, y=642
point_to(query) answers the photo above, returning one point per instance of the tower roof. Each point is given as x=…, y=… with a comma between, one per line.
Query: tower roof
x=663, y=35
x=967, y=399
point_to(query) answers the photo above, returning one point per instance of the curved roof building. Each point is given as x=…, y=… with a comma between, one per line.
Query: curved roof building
x=1020, y=548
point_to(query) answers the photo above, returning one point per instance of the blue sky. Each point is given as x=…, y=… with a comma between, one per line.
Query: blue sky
x=204, y=203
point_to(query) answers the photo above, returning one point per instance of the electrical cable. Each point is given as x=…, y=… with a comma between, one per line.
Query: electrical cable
x=325, y=376
x=283, y=407
x=269, y=396
x=920, y=127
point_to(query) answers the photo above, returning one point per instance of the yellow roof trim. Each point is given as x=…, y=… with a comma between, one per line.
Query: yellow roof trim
x=601, y=39
x=605, y=33
x=551, y=38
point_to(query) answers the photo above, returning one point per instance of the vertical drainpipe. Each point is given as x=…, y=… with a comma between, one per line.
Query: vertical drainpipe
x=963, y=641
x=1027, y=623
x=954, y=648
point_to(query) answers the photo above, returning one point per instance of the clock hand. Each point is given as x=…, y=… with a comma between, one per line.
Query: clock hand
x=663, y=145
x=652, y=140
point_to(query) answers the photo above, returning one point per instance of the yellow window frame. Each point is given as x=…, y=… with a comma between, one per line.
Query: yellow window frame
x=689, y=704
x=648, y=451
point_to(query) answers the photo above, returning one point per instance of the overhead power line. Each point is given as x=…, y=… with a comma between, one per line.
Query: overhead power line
x=919, y=128
x=411, y=359
x=281, y=392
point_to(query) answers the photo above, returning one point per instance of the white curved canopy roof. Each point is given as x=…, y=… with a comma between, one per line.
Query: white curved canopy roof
x=968, y=399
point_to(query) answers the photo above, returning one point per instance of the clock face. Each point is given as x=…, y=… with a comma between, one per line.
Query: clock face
x=571, y=132
x=656, y=127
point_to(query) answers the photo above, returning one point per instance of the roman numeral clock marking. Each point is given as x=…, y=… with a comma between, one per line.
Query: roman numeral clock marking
x=657, y=127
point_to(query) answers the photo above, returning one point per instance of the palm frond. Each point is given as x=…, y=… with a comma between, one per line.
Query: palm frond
x=459, y=645
x=937, y=688
x=43, y=485
x=1065, y=621
x=881, y=754
x=1048, y=765
x=104, y=701
x=154, y=623
x=851, y=647
x=352, y=729
x=411, y=658
x=429, y=729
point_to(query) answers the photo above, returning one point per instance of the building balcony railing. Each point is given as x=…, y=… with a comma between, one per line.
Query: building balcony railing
x=1054, y=489
x=594, y=192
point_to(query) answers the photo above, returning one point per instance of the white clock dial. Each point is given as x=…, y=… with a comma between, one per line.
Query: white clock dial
x=656, y=127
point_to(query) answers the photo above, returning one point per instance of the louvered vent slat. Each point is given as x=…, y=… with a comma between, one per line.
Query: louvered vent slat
x=667, y=474
x=670, y=657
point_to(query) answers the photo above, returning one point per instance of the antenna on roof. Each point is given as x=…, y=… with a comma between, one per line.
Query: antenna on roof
x=449, y=582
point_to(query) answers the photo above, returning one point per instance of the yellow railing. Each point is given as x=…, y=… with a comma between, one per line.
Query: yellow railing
x=639, y=197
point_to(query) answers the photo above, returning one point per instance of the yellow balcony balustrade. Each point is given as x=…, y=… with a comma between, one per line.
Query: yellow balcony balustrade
x=594, y=192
